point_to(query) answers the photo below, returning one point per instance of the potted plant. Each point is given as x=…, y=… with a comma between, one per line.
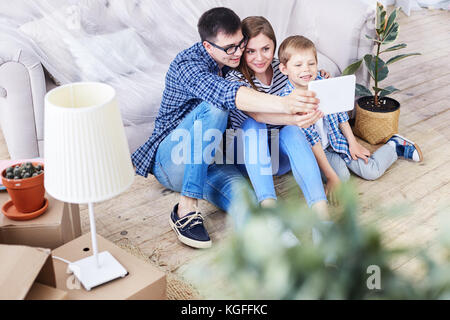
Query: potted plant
x=25, y=185
x=377, y=115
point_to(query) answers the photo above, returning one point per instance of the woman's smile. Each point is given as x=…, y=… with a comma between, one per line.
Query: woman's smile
x=259, y=53
x=260, y=65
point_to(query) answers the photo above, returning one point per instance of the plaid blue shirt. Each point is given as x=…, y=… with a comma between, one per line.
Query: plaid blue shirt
x=337, y=140
x=193, y=77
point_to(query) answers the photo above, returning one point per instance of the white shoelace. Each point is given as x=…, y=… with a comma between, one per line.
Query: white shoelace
x=197, y=215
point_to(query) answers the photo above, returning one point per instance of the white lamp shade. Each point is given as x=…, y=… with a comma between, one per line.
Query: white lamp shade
x=86, y=151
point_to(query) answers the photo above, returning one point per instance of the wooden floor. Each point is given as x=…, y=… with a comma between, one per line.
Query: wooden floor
x=141, y=214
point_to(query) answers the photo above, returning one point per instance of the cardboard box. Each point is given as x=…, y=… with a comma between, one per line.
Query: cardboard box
x=143, y=282
x=42, y=292
x=58, y=225
x=22, y=267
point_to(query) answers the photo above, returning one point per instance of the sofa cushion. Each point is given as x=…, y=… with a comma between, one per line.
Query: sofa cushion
x=328, y=65
x=46, y=33
x=105, y=56
x=56, y=20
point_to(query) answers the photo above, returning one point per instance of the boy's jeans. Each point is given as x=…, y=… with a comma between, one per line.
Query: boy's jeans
x=378, y=163
x=183, y=160
x=293, y=153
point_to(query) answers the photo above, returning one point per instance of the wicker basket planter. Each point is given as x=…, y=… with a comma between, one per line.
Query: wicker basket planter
x=376, y=124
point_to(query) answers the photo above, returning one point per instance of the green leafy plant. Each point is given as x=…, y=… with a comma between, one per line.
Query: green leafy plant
x=272, y=256
x=386, y=32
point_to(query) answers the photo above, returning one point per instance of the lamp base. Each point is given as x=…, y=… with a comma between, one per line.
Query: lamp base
x=90, y=276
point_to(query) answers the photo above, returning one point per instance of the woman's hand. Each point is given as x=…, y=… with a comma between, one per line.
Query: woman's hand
x=306, y=120
x=301, y=101
x=358, y=151
x=324, y=74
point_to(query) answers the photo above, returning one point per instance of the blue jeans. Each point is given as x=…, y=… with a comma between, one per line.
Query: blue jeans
x=293, y=153
x=193, y=173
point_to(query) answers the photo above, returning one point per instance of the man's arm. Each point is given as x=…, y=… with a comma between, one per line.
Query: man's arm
x=299, y=101
x=196, y=77
x=302, y=121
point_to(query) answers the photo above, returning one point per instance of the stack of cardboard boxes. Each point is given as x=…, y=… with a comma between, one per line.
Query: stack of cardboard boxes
x=32, y=254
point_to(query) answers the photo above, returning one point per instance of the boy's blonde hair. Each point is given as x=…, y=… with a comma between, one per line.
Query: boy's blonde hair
x=292, y=44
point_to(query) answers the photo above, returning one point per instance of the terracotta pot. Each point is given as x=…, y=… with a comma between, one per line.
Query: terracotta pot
x=26, y=194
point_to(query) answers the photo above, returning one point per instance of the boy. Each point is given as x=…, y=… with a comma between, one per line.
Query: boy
x=338, y=150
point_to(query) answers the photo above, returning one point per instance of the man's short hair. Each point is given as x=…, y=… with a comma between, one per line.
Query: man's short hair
x=292, y=44
x=218, y=20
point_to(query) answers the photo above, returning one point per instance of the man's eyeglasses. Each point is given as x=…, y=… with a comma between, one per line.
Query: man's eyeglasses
x=231, y=49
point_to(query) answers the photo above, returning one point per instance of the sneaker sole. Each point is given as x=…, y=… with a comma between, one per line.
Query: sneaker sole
x=415, y=146
x=189, y=242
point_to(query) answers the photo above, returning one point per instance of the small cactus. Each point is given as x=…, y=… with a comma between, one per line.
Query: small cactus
x=23, y=171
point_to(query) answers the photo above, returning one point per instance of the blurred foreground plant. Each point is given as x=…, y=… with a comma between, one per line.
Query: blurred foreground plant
x=272, y=257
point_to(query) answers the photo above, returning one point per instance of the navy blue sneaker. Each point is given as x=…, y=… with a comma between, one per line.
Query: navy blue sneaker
x=406, y=148
x=190, y=229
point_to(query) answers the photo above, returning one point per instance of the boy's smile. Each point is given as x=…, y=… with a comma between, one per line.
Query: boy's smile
x=301, y=68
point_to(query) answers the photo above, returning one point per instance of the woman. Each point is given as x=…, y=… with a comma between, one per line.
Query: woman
x=259, y=70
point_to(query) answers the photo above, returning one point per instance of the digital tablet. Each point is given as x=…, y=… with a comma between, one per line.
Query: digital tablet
x=335, y=94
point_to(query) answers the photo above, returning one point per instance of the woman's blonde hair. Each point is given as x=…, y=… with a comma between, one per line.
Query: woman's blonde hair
x=252, y=27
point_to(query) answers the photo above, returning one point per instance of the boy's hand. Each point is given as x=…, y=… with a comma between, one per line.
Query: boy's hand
x=301, y=101
x=325, y=74
x=330, y=189
x=358, y=151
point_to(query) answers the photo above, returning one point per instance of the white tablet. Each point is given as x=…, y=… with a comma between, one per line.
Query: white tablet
x=335, y=94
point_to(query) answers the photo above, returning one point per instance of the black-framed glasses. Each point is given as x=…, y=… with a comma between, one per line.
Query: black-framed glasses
x=231, y=49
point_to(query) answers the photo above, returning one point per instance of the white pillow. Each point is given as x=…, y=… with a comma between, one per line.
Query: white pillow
x=46, y=33
x=102, y=57
x=19, y=10
x=69, y=22
x=97, y=17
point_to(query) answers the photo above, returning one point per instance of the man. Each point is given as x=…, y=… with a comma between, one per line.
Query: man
x=196, y=100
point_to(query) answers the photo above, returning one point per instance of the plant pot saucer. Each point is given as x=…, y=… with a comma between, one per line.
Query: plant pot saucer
x=10, y=211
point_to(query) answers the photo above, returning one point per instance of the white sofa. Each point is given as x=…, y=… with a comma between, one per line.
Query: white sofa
x=130, y=43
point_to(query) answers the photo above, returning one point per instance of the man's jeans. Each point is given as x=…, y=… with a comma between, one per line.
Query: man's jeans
x=292, y=152
x=378, y=163
x=183, y=160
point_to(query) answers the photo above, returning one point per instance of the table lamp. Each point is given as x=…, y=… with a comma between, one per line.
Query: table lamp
x=87, y=160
